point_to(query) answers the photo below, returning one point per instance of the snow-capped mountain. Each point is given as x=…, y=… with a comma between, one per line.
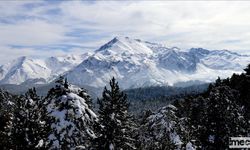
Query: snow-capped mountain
x=135, y=63
x=24, y=68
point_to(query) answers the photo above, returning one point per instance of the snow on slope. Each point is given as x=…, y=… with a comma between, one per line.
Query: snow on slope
x=137, y=63
x=124, y=46
x=25, y=68
x=133, y=62
x=22, y=69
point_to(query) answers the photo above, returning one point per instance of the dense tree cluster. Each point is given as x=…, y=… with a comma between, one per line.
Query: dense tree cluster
x=65, y=119
x=219, y=113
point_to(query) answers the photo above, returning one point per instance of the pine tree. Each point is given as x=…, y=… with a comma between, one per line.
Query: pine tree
x=83, y=93
x=161, y=130
x=194, y=108
x=69, y=117
x=6, y=119
x=27, y=123
x=241, y=83
x=222, y=118
x=116, y=127
x=218, y=82
x=247, y=70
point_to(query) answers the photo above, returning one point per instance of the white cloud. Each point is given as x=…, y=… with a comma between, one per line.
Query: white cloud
x=31, y=32
x=8, y=53
x=185, y=24
x=205, y=23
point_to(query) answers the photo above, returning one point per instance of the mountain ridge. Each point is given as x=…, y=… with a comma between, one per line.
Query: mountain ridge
x=135, y=63
x=154, y=65
x=26, y=68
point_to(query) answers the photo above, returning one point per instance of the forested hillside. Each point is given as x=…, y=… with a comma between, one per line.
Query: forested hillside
x=65, y=118
x=153, y=98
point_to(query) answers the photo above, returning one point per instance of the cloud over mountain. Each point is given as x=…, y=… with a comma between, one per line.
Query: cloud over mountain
x=61, y=26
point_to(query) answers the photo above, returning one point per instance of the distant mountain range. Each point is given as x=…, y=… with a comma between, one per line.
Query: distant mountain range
x=135, y=63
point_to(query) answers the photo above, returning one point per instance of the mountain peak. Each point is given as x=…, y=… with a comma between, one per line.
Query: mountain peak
x=113, y=41
x=199, y=50
x=22, y=59
x=122, y=45
x=121, y=38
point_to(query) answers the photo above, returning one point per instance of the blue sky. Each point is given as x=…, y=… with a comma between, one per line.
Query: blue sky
x=45, y=28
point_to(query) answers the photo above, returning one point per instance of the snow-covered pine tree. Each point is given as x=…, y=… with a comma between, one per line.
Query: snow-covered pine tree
x=160, y=130
x=6, y=119
x=69, y=117
x=84, y=94
x=194, y=111
x=223, y=117
x=116, y=130
x=27, y=126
